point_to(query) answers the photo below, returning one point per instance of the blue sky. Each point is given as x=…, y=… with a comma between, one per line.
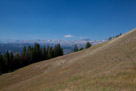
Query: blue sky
x=65, y=19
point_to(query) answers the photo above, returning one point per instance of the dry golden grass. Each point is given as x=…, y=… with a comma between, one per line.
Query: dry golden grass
x=109, y=66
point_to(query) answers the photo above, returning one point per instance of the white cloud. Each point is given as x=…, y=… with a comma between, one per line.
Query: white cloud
x=68, y=36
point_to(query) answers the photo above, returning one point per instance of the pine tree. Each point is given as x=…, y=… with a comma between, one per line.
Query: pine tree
x=44, y=53
x=17, y=61
x=55, y=51
x=24, y=50
x=11, y=60
x=36, y=52
x=110, y=38
x=29, y=54
x=23, y=57
x=6, y=62
x=50, y=53
x=75, y=48
x=88, y=44
x=1, y=63
x=60, y=50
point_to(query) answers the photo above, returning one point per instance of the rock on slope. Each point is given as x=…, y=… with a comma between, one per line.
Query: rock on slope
x=109, y=66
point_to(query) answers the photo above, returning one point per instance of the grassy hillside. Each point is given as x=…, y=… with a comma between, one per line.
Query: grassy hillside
x=109, y=66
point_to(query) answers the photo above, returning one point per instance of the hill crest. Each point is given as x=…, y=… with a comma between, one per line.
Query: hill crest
x=105, y=66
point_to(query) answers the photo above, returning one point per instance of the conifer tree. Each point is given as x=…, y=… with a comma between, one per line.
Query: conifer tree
x=50, y=55
x=1, y=63
x=109, y=38
x=48, y=51
x=36, y=52
x=17, y=61
x=24, y=50
x=23, y=56
x=88, y=44
x=44, y=53
x=60, y=50
x=75, y=48
x=29, y=54
x=11, y=60
x=6, y=62
x=55, y=51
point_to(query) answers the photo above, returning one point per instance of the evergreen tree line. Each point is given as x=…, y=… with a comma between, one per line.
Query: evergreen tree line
x=10, y=62
x=88, y=44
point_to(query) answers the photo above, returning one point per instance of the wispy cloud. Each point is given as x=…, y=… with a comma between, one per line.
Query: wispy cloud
x=68, y=36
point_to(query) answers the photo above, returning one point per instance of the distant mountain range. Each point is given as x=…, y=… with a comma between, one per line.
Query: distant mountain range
x=67, y=45
x=62, y=42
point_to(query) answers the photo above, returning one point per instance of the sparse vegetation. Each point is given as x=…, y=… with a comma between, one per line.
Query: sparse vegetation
x=88, y=44
x=114, y=36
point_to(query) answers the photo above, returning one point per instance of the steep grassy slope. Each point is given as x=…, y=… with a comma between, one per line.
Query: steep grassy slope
x=109, y=66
